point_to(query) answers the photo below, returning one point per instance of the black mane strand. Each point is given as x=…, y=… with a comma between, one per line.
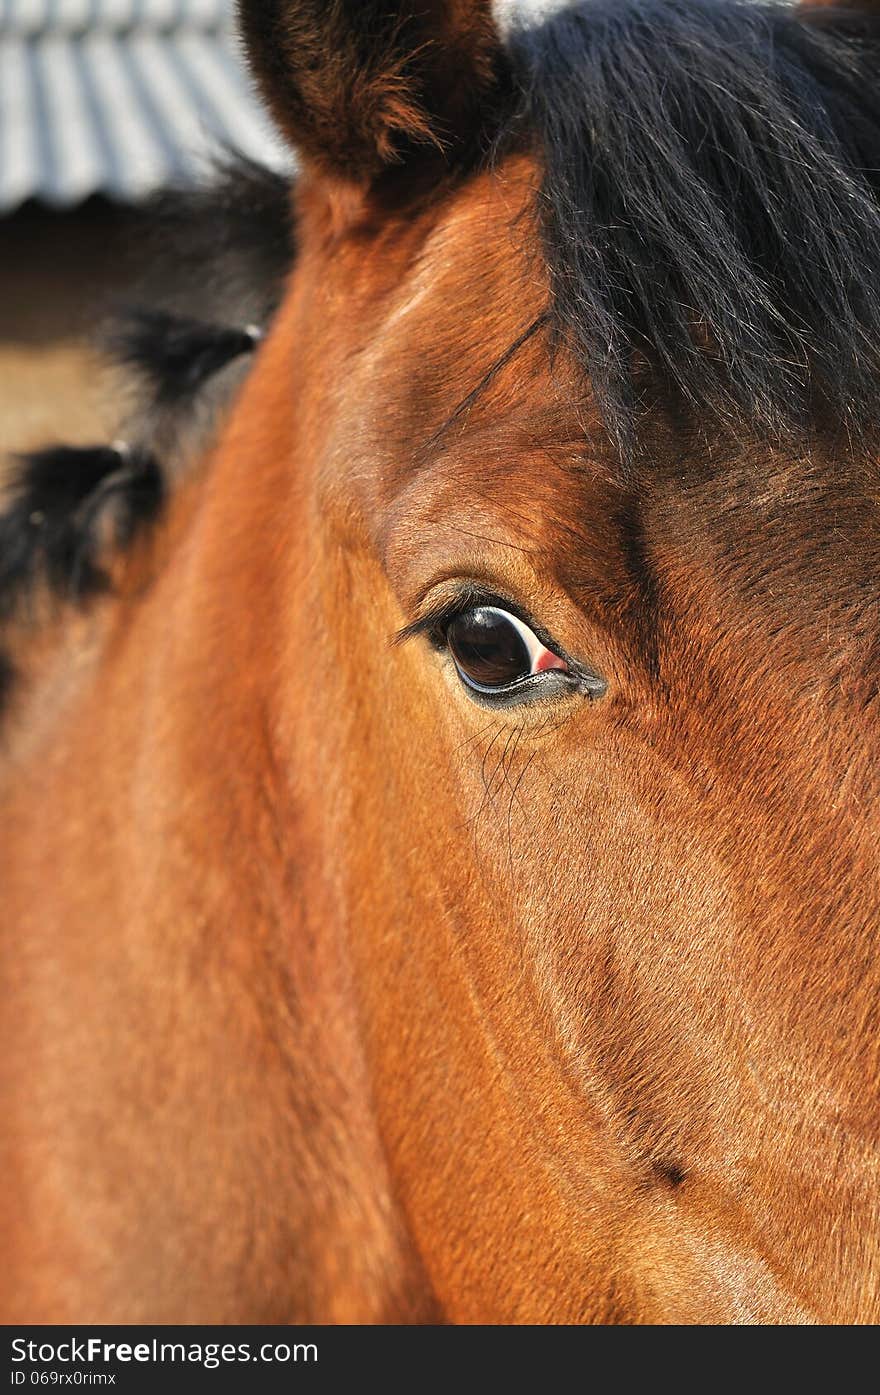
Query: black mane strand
x=220, y=252
x=56, y=509
x=176, y=357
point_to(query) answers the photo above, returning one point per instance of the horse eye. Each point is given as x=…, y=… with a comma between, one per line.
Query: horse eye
x=494, y=650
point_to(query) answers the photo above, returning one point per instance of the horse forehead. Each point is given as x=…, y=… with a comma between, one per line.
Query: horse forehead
x=478, y=254
x=442, y=335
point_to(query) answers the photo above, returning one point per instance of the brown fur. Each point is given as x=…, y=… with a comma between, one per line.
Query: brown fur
x=856, y=6
x=333, y=997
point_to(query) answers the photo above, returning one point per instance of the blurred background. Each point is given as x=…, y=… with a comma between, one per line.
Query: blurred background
x=102, y=103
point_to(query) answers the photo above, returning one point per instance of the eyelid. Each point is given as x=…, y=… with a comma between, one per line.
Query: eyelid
x=444, y=612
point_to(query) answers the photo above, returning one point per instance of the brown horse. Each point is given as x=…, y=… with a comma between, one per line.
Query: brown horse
x=440, y=850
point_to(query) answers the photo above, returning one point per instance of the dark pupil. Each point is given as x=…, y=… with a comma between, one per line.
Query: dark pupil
x=487, y=648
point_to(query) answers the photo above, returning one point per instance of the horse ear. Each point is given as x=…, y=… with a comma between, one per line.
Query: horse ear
x=361, y=85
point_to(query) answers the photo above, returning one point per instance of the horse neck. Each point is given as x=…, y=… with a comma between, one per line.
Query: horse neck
x=160, y=793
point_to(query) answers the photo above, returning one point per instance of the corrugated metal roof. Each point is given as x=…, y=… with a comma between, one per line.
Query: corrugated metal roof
x=120, y=97
x=111, y=16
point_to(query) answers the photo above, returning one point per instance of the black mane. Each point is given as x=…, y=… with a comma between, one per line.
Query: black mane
x=711, y=204
x=215, y=260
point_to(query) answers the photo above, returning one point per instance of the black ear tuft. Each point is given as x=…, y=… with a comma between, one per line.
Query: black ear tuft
x=53, y=529
x=358, y=85
x=174, y=355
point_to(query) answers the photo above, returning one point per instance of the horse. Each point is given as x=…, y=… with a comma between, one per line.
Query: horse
x=440, y=853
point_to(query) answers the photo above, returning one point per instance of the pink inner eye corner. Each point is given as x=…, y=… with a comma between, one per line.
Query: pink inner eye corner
x=546, y=661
